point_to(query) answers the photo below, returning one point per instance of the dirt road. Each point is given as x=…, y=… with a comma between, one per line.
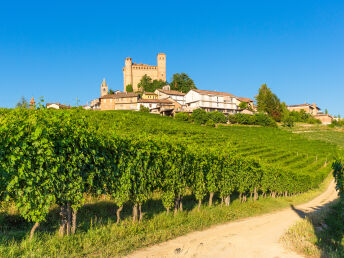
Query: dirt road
x=251, y=237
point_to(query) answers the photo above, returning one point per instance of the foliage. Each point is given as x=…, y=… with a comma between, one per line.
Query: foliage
x=129, y=88
x=268, y=102
x=182, y=116
x=144, y=109
x=182, y=82
x=288, y=120
x=22, y=103
x=210, y=123
x=50, y=157
x=256, y=119
x=199, y=116
x=111, y=91
x=217, y=117
x=147, y=84
x=243, y=105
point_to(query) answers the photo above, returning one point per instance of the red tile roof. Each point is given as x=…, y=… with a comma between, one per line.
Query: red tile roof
x=213, y=93
x=120, y=95
x=155, y=101
x=172, y=92
x=242, y=99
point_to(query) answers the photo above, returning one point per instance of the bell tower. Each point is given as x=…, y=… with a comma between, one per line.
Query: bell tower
x=103, y=89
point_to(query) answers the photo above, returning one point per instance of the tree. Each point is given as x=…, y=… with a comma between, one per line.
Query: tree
x=147, y=84
x=243, y=105
x=182, y=82
x=199, y=116
x=129, y=88
x=22, y=103
x=326, y=111
x=268, y=102
x=111, y=91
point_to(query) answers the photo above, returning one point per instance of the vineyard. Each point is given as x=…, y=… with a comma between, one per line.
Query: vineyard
x=55, y=157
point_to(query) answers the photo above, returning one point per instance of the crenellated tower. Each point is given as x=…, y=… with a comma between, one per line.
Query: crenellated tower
x=161, y=67
x=128, y=72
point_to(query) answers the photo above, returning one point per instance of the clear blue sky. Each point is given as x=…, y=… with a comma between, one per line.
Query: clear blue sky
x=62, y=50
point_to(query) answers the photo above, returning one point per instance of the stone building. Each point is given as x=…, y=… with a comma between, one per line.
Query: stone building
x=308, y=108
x=132, y=72
x=119, y=101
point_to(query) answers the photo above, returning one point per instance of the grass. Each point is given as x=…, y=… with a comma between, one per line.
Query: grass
x=321, y=234
x=98, y=234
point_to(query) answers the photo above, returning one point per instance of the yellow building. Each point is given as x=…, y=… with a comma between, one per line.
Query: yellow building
x=149, y=95
x=132, y=72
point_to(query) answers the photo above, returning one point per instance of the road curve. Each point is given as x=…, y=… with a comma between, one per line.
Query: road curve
x=252, y=237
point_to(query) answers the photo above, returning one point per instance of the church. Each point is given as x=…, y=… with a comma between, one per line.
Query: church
x=132, y=72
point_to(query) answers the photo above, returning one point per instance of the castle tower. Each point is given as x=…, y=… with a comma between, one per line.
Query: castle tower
x=161, y=67
x=103, y=89
x=127, y=73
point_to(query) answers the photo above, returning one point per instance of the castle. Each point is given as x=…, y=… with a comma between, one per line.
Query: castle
x=132, y=72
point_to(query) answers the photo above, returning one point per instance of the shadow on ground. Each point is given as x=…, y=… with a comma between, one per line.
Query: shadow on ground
x=328, y=225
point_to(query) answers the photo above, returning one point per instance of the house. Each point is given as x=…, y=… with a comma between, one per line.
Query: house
x=95, y=104
x=250, y=104
x=120, y=101
x=308, y=108
x=166, y=92
x=57, y=105
x=158, y=106
x=149, y=95
x=210, y=101
x=325, y=119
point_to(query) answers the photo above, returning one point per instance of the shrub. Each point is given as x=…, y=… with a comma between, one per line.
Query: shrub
x=182, y=116
x=199, y=116
x=144, y=109
x=217, y=117
x=210, y=123
x=288, y=121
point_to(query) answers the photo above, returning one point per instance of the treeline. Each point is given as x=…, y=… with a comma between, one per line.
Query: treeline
x=200, y=116
x=55, y=157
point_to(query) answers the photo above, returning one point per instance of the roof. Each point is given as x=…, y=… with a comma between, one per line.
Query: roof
x=172, y=92
x=120, y=95
x=58, y=104
x=155, y=101
x=213, y=92
x=303, y=105
x=149, y=93
x=242, y=99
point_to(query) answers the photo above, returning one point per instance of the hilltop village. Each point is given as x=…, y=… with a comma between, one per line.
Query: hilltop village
x=168, y=102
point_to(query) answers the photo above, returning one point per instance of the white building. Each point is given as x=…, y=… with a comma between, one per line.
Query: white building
x=210, y=101
x=57, y=106
x=166, y=92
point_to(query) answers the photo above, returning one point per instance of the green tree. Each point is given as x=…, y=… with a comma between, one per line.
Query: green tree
x=182, y=82
x=199, y=116
x=22, y=103
x=147, y=84
x=268, y=102
x=326, y=111
x=111, y=91
x=129, y=88
x=243, y=105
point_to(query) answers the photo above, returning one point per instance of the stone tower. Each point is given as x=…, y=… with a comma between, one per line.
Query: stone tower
x=133, y=73
x=128, y=74
x=103, y=89
x=161, y=67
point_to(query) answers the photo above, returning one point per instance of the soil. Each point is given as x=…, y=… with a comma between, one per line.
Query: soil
x=252, y=237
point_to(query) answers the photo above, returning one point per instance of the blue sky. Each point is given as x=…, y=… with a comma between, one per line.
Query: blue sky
x=62, y=50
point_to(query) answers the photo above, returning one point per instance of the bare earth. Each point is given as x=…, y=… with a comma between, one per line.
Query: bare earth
x=251, y=237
